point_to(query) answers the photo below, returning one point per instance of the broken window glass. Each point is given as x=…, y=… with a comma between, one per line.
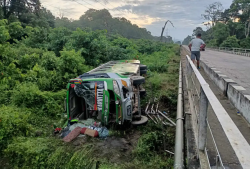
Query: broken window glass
x=92, y=92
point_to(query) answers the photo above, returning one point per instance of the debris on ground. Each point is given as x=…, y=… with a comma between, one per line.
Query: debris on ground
x=89, y=132
x=73, y=134
x=156, y=115
x=80, y=128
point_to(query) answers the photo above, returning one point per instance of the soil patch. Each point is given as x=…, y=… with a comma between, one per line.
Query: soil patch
x=115, y=149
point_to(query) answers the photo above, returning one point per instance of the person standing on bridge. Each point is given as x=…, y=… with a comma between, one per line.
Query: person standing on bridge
x=195, y=48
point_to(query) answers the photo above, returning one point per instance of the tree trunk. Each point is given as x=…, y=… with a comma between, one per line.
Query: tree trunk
x=162, y=32
x=4, y=9
x=247, y=29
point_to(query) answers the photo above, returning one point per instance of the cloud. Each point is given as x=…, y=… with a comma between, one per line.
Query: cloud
x=152, y=14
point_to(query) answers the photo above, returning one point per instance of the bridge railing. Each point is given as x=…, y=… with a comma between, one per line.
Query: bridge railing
x=237, y=51
x=203, y=101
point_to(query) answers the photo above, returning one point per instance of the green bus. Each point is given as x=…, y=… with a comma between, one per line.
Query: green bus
x=110, y=93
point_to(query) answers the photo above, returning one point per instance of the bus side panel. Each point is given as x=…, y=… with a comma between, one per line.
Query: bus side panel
x=105, y=107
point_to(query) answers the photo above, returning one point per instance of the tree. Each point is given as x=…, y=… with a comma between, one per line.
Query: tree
x=4, y=31
x=213, y=13
x=19, y=7
x=102, y=20
x=178, y=42
x=57, y=38
x=231, y=42
x=187, y=40
x=169, y=39
x=67, y=23
x=206, y=35
x=245, y=43
x=197, y=30
x=241, y=8
x=236, y=28
x=220, y=32
x=227, y=16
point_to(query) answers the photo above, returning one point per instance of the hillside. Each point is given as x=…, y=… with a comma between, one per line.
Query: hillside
x=36, y=62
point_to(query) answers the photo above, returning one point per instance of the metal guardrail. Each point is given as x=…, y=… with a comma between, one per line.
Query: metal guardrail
x=237, y=51
x=204, y=100
x=178, y=158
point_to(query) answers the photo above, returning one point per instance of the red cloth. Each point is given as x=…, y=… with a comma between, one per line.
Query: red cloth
x=73, y=134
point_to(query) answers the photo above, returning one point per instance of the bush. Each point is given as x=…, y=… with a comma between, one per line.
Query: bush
x=16, y=52
x=27, y=95
x=47, y=103
x=49, y=61
x=54, y=103
x=245, y=43
x=231, y=42
x=16, y=30
x=147, y=153
x=52, y=81
x=30, y=152
x=5, y=94
x=48, y=153
x=57, y=38
x=72, y=64
x=13, y=123
x=147, y=145
x=27, y=62
x=4, y=32
x=212, y=43
x=157, y=61
x=36, y=37
x=148, y=46
x=162, y=75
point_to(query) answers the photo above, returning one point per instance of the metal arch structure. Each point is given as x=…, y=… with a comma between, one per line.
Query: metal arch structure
x=165, y=27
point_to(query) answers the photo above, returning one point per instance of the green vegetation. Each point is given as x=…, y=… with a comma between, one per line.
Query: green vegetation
x=36, y=62
x=226, y=28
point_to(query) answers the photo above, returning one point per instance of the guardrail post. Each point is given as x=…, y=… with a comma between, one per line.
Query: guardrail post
x=202, y=135
x=189, y=74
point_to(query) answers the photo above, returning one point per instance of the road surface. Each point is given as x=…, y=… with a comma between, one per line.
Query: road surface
x=235, y=67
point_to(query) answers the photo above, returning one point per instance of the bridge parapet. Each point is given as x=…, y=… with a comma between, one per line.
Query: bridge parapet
x=236, y=51
x=202, y=101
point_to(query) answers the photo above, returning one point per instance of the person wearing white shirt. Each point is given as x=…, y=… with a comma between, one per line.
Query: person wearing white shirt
x=195, y=48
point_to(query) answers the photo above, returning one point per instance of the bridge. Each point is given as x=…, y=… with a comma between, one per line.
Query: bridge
x=213, y=115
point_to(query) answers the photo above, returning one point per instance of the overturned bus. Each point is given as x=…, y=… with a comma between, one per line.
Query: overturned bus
x=110, y=93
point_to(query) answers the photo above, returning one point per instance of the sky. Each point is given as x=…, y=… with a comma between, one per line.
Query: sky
x=151, y=14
